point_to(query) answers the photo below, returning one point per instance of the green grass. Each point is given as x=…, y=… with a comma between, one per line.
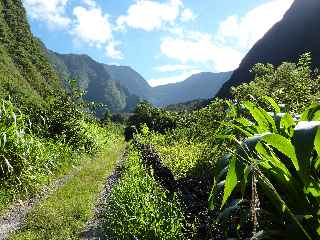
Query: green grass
x=64, y=214
x=140, y=208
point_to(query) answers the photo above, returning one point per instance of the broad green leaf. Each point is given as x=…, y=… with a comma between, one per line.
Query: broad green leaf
x=310, y=113
x=231, y=181
x=244, y=122
x=234, y=126
x=270, y=161
x=317, y=142
x=270, y=119
x=257, y=115
x=273, y=103
x=287, y=123
x=304, y=142
x=263, y=119
x=316, y=116
x=283, y=145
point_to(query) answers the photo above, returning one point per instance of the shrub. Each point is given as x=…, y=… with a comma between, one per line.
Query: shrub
x=156, y=119
x=294, y=85
x=276, y=170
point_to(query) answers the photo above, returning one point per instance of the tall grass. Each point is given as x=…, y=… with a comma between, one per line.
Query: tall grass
x=29, y=159
x=139, y=208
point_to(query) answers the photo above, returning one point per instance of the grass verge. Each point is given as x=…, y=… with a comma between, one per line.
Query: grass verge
x=64, y=214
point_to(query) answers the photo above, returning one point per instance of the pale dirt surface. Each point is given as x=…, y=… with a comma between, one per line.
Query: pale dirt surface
x=13, y=219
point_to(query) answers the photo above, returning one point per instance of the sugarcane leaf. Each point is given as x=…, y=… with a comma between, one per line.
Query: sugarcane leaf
x=283, y=145
x=311, y=114
x=273, y=103
x=304, y=142
x=317, y=142
x=287, y=123
x=231, y=181
x=257, y=115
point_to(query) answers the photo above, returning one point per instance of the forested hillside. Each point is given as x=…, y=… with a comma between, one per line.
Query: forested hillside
x=121, y=87
x=130, y=79
x=95, y=80
x=25, y=74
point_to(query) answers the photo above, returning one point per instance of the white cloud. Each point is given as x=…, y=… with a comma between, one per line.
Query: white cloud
x=234, y=38
x=245, y=31
x=187, y=15
x=112, y=50
x=173, y=68
x=151, y=15
x=50, y=11
x=173, y=79
x=200, y=48
x=91, y=26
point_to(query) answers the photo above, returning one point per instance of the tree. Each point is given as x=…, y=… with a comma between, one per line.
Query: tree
x=294, y=84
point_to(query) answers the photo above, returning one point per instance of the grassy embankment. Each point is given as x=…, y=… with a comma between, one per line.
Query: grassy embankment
x=64, y=214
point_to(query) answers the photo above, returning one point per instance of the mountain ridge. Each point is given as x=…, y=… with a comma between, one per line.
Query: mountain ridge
x=285, y=41
x=129, y=86
x=203, y=85
x=94, y=80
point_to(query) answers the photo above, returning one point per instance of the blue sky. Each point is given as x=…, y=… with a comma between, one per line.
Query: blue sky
x=164, y=40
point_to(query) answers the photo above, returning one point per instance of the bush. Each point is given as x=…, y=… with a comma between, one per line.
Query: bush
x=26, y=160
x=156, y=119
x=294, y=85
x=276, y=170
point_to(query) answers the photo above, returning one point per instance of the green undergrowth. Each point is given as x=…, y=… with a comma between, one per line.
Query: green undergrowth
x=31, y=158
x=140, y=209
x=246, y=168
x=64, y=213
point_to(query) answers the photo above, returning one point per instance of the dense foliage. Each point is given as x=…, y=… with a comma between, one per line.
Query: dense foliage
x=25, y=73
x=44, y=129
x=157, y=119
x=295, y=85
x=278, y=164
x=245, y=168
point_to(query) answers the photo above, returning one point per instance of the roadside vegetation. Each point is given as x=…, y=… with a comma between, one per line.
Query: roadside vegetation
x=46, y=143
x=65, y=213
x=244, y=168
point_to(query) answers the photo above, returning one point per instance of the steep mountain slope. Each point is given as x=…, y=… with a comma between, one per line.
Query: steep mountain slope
x=199, y=86
x=120, y=87
x=95, y=80
x=297, y=33
x=25, y=73
x=130, y=79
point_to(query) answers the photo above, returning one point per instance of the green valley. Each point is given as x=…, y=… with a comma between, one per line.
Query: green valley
x=90, y=150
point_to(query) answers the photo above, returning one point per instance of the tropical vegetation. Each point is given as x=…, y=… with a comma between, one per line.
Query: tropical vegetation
x=244, y=168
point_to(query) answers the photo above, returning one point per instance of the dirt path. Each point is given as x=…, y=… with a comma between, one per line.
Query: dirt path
x=94, y=228
x=14, y=217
